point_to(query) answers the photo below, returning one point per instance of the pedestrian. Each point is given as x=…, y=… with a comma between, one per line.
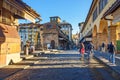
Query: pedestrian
x=82, y=51
x=91, y=50
x=32, y=48
x=108, y=45
x=112, y=53
x=103, y=47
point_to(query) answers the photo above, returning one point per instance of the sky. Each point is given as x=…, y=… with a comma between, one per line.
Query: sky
x=72, y=11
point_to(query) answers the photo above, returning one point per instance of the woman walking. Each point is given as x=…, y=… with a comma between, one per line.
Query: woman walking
x=82, y=51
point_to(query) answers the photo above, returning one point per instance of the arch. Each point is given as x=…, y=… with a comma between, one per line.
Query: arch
x=103, y=25
x=102, y=35
x=94, y=33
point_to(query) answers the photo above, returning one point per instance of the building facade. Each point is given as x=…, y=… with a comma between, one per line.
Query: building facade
x=67, y=29
x=53, y=35
x=80, y=25
x=75, y=38
x=103, y=30
x=112, y=15
x=30, y=33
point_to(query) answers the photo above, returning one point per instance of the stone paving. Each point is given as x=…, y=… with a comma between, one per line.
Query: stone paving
x=60, y=66
x=107, y=55
x=104, y=58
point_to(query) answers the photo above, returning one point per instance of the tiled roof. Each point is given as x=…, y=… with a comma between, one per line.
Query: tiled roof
x=26, y=6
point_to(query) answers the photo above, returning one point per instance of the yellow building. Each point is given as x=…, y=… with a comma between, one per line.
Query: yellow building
x=113, y=16
x=10, y=12
x=103, y=30
x=75, y=38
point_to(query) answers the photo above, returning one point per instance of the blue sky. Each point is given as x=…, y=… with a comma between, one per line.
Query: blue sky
x=72, y=11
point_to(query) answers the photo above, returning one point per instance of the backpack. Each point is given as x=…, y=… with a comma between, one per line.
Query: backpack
x=90, y=46
x=111, y=48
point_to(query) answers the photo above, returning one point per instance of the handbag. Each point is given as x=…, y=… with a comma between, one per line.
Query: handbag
x=82, y=50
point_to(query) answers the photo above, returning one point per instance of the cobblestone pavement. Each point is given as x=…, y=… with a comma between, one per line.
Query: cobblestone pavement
x=107, y=55
x=62, y=66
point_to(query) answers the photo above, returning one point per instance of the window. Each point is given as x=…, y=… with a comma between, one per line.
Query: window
x=95, y=15
x=49, y=26
x=102, y=4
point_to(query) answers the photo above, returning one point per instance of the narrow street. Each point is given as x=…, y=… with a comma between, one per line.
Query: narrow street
x=62, y=66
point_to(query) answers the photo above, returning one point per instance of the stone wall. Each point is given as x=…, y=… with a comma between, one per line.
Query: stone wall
x=9, y=45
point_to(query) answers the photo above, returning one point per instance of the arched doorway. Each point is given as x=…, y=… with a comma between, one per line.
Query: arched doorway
x=102, y=35
x=52, y=44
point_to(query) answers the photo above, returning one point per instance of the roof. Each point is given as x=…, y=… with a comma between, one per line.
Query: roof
x=79, y=24
x=114, y=7
x=64, y=23
x=29, y=24
x=49, y=23
x=26, y=6
x=55, y=17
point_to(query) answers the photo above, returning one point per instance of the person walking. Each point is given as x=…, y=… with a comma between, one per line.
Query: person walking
x=91, y=50
x=103, y=47
x=82, y=50
x=108, y=45
x=112, y=53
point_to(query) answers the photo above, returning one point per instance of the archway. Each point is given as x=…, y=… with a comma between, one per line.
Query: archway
x=102, y=35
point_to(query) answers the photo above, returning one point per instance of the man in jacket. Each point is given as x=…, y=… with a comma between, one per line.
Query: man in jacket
x=91, y=50
x=112, y=53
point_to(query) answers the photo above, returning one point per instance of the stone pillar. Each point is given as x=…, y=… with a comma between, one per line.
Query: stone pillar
x=113, y=34
x=99, y=39
x=102, y=37
x=94, y=40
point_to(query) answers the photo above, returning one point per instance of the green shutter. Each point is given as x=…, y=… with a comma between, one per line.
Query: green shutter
x=118, y=45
